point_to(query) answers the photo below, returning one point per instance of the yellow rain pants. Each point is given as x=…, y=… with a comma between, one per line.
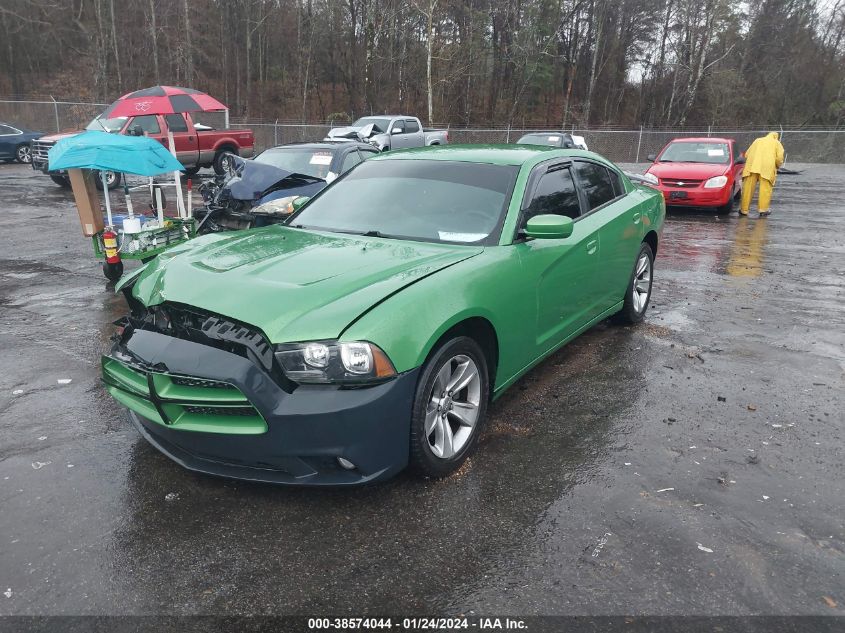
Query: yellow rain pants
x=761, y=165
x=749, y=184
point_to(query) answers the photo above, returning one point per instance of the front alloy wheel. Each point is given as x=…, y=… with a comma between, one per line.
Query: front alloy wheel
x=452, y=410
x=639, y=288
x=24, y=155
x=642, y=283
x=449, y=407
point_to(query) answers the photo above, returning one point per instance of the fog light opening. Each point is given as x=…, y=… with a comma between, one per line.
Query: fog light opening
x=345, y=463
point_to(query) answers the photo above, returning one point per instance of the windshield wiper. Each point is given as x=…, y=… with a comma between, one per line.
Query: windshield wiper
x=370, y=233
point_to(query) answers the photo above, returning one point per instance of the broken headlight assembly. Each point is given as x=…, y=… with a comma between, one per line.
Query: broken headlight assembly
x=280, y=206
x=355, y=362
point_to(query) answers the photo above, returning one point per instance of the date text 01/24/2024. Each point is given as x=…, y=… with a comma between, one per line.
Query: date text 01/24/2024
x=415, y=624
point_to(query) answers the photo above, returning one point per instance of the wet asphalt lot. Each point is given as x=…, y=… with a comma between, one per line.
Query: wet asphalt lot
x=692, y=465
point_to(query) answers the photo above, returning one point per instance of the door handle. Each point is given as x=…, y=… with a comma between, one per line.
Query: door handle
x=592, y=247
x=636, y=218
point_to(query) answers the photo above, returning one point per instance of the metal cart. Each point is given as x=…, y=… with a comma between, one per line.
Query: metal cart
x=130, y=236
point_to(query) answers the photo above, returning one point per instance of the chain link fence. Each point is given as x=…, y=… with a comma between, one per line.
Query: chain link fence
x=623, y=146
x=49, y=116
x=628, y=146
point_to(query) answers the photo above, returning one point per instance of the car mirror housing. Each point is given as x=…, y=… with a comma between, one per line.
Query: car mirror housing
x=651, y=157
x=549, y=227
x=300, y=202
x=740, y=160
x=396, y=130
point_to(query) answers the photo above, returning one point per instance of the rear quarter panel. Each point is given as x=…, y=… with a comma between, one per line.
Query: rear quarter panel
x=213, y=140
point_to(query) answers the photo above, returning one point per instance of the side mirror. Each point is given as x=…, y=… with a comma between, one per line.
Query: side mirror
x=397, y=130
x=740, y=160
x=300, y=202
x=549, y=227
x=651, y=158
x=137, y=130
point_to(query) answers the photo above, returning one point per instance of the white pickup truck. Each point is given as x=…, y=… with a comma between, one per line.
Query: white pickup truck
x=390, y=131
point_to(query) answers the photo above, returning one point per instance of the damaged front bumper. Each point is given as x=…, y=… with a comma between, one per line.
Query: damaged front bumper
x=221, y=412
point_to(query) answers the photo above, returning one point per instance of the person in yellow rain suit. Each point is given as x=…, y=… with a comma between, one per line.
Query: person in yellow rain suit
x=761, y=165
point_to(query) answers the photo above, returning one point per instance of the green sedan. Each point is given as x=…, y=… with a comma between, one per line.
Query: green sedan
x=373, y=329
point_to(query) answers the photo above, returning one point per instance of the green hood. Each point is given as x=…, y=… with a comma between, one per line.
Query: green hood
x=293, y=284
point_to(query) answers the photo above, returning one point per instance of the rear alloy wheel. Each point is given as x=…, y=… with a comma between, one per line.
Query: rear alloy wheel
x=638, y=293
x=24, y=154
x=449, y=407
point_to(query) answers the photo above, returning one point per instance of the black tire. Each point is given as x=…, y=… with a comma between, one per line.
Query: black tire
x=113, y=180
x=62, y=181
x=632, y=313
x=221, y=159
x=23, y=154
x=423, y=458
x=113, y=272
x=725, y=208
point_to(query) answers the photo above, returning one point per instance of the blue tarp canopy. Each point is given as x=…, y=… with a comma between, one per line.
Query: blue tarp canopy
x=93, y=149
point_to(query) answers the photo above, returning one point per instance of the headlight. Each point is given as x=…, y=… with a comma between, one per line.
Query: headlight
x=717, y=182
x=334, y=362
x=280, y=206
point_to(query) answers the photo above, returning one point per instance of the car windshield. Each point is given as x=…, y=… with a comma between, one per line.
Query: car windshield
x=541, y=139
x=299, y=160
x=109, y=125
x=695, y=152
x=423, y=200
x=379, y=124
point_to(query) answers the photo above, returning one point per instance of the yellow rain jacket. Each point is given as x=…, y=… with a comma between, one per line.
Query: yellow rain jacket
x=764, y=157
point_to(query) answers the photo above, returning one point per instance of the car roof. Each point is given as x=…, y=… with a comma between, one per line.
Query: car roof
x=322, y=145
x=387, y=116
x=702, y=139
x=544, y=132
x=510, y=154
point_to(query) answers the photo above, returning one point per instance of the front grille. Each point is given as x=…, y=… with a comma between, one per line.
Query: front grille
x=682, y=183
x=182, y=402
x=210, y=329
x=40, y=149
x=185, y=381
x=240, y=411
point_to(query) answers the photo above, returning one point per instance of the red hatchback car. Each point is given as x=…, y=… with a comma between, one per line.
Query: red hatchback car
x=699, y=172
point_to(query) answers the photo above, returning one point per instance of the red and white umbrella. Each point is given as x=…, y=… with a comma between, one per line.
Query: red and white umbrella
x=162, y=100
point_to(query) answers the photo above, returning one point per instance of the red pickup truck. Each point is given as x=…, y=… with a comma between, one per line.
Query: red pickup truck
x=197, y=145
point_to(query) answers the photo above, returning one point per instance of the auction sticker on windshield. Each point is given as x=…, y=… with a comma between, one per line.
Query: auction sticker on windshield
x=321, y=159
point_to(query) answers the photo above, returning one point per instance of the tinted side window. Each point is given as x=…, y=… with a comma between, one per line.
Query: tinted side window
x=176, y=122
x=411, y=126
x=148, y=124
x=595, y=182
x=5, y=129
x=350, y=161
x=616, y=179
x=398, y=124
x=555, y=193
